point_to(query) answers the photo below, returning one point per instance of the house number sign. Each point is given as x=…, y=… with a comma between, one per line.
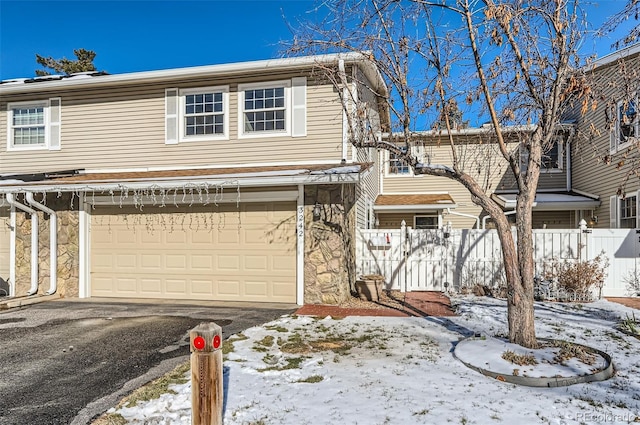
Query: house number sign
x=300, y=221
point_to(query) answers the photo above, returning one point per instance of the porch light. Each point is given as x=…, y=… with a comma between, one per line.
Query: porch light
x=316, y=211
x=447, y=230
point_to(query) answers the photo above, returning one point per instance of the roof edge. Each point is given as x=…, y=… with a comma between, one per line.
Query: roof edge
x=234, y=68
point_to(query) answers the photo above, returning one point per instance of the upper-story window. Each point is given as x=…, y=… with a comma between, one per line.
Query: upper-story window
x=627, y=124
x=204, y=113
x=265, y=109
x=553, y=156
x=397, y=165
x=34, y=125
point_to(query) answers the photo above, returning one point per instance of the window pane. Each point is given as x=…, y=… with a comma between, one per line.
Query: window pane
x=269, y=106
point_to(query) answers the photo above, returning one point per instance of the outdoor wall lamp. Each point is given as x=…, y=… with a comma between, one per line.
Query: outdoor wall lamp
x=316, y=211
x=447, y=230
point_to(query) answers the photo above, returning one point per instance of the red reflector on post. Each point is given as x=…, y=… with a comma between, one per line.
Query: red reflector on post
x=216, y=341
x=198, y=343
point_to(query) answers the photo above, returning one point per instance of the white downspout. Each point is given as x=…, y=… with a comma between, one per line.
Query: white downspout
x=345, y=97
x=477, y=219
x=484, y=219
x=34, y=241
x=53, y=242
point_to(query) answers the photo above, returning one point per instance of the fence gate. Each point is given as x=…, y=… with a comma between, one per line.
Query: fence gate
x=409, y=259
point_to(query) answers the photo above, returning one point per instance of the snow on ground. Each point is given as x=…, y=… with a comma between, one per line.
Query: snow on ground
x=384, y=370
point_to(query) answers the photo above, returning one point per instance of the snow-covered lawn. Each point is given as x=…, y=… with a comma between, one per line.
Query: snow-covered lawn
x=383, y=370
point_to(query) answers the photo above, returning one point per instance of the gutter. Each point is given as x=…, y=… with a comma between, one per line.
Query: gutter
x=484, y=219
x=477, y=219
x=346, y=98
x=183, y=182
x=34, y=240
x=53, y=242
x=229, y=69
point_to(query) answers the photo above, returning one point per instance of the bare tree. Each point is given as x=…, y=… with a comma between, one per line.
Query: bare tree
x=631, y=10
x=510, y=61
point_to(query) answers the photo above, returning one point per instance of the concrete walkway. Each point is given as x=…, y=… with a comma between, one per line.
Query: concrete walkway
x=629, y=302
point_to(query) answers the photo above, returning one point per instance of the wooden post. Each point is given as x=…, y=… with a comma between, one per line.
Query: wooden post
x=206, y=374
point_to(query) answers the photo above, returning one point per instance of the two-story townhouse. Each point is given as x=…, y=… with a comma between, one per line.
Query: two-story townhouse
x=609, y=134
x=430, y=202
x=222, y=182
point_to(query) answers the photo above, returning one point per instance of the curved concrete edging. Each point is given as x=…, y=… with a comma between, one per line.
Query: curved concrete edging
x=550, y=382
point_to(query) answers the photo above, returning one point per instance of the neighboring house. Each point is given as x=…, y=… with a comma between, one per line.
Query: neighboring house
x=430, y=202
x=224, y=182
x=610, y=132
x=580, y=177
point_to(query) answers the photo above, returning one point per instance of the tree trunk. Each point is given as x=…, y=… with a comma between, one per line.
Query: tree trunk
x=520, y=312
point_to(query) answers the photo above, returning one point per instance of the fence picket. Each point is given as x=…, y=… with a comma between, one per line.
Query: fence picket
x=419, y=260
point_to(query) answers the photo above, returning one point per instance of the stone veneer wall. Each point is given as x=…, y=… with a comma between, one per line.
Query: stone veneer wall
x=329, y=252
x=68, y=254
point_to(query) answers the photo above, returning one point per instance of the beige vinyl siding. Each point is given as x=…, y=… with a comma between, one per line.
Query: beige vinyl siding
x=370, y=183
x=473, y=157
x=123, y=127
x=589, y=173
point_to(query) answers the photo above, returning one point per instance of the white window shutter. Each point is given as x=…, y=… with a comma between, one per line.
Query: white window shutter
x=55, y=115
x=171, y=116
x=613, y=212
x=612, y=141
x=418, y=152
x=299, y=106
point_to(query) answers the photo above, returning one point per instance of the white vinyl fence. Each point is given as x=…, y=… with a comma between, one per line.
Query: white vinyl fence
x=433, y=260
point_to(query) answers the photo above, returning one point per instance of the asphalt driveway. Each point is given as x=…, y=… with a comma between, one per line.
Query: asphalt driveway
x=65, y=362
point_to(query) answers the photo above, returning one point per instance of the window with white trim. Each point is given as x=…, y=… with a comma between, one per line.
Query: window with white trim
x=627, y=124
x=264, y=110
x=425, y=222
x=623, y=212
x=628, y=212
x=552, y=157
x=397, y=165
x=34, y=125
x=204, y=113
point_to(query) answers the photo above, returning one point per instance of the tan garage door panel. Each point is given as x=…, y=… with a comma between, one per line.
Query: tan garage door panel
x=212, y=253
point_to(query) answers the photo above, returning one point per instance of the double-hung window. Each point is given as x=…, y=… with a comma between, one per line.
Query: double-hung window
x=397, y=165
x=273, y=108
x=623, y=213
x=552, y=157
x=265, y=109
x=203, y=113
x=627, y=124
x=34, y=125
x=628, y=212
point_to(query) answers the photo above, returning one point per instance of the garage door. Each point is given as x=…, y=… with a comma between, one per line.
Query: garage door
x=244, y=253
x=5, y=235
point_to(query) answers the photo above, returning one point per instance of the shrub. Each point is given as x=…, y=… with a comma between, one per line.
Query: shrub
x=576, y=280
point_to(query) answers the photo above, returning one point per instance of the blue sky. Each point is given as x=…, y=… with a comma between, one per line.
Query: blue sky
x=145, y=35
